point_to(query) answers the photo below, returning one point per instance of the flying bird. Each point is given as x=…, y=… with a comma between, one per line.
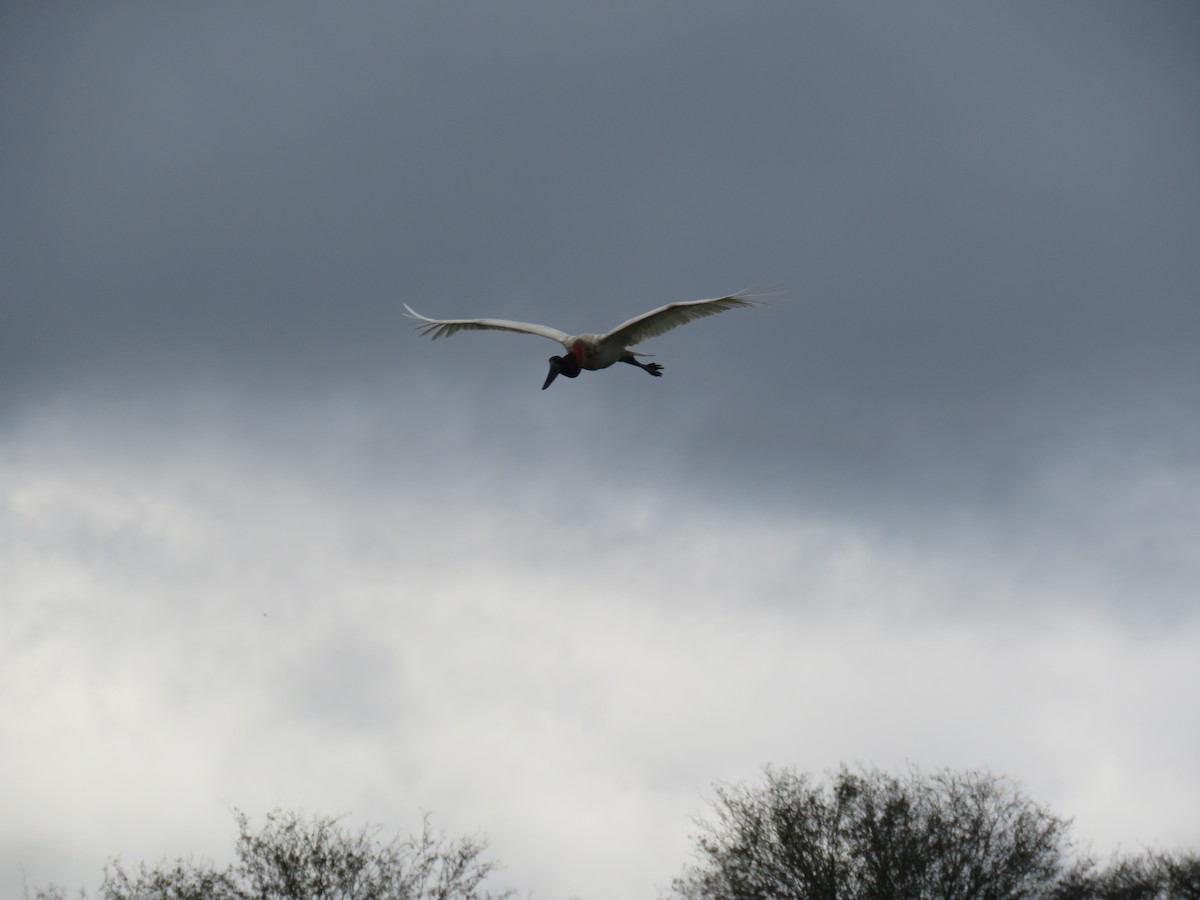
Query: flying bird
x=597, y=351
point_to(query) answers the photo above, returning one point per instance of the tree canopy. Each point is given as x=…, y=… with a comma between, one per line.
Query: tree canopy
x=872, y=835
x=296, y=858
x=860, y=835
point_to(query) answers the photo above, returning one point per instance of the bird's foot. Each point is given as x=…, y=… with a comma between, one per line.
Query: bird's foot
x=654, y=369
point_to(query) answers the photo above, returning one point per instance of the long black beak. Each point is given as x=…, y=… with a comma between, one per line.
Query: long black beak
x=555, y=368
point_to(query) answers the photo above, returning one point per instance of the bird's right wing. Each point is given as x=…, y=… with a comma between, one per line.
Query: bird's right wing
x=440, y=328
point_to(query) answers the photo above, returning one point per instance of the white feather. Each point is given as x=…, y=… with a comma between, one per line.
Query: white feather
x=599, y=351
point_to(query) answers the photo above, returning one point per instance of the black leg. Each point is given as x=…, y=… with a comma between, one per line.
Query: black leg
x=653, y=368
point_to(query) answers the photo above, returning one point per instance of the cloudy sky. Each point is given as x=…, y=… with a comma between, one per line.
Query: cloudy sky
x=262, y=545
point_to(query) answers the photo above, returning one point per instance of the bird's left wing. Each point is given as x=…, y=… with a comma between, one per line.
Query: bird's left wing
x=439, y=328
x=661, y=320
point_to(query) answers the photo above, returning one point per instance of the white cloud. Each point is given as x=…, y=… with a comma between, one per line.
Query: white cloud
x=197, y=631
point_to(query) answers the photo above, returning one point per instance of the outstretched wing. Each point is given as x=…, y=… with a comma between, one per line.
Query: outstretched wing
x=440, y=328
x=661, y=320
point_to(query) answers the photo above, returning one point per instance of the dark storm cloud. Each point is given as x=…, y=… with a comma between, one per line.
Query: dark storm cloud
x=985, y=218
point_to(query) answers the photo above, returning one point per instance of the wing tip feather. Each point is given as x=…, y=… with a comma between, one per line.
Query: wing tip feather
x=759, y=296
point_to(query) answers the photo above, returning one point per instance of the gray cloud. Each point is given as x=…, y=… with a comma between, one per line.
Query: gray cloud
x=974, y=414
x=983, y=217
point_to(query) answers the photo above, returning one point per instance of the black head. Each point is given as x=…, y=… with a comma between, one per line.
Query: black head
x=562, y=365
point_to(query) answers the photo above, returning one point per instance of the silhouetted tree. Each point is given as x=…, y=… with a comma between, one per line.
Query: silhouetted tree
x=866, y=835
x=293, y=858
x=872, y=835
x=1149, y=876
